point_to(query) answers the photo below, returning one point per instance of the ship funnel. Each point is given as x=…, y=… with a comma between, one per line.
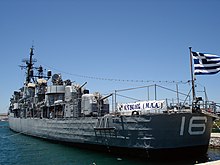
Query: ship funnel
x=49, y=73
x=31, y=73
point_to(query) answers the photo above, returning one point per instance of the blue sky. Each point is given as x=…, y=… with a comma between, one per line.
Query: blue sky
x=116, y=39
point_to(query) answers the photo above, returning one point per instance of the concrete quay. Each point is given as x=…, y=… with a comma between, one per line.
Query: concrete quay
x=3, y=116
x=214, y=140
x=213, y=143
x=217, y=162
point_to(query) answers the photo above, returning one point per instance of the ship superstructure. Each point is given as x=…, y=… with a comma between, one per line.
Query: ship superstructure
x=61, y=99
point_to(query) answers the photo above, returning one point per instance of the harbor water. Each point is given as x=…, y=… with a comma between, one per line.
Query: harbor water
x=19, y=149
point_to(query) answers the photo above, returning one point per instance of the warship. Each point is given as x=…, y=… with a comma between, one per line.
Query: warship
x=62, y=111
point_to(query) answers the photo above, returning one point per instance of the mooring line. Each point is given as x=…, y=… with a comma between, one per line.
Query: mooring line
x=15, y=134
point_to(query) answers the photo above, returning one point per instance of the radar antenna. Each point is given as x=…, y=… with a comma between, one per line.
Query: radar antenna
x=29, y=65
x=30, y=68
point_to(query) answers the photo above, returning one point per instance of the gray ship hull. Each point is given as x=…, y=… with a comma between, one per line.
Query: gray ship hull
x=182, y=134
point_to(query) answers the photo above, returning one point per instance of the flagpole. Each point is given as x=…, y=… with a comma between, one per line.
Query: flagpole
x=192, y=75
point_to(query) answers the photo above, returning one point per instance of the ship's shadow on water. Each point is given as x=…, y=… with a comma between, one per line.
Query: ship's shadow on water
x=21, y=149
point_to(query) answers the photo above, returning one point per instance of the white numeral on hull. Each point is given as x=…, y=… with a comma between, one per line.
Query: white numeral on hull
x=193, y=123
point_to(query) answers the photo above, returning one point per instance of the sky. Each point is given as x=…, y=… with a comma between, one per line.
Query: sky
x=110, y=44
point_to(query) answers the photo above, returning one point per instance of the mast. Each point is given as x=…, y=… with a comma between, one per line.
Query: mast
x=192, y=75
x=29, y=66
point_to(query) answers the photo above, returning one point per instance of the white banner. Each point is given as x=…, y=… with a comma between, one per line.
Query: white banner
x=142, y=105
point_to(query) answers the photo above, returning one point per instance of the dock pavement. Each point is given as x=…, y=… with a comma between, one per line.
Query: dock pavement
x=214, y=143
x=214, y=140
x=217, y=162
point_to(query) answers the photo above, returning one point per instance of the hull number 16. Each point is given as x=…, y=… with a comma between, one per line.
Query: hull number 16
x=197, y=125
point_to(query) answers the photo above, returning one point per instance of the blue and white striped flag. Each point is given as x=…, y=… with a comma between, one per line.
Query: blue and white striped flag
x=206, y=63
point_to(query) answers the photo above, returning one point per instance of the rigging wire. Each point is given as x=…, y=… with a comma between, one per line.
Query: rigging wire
x=116, y=79
x=128, y=97
x=172, y=90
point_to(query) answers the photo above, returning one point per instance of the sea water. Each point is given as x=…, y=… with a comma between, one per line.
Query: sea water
x=18, y=149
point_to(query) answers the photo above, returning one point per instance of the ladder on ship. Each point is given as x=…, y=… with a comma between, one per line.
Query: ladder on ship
x=103, y=128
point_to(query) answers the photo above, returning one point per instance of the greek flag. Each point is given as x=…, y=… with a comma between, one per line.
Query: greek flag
x=205, y=63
